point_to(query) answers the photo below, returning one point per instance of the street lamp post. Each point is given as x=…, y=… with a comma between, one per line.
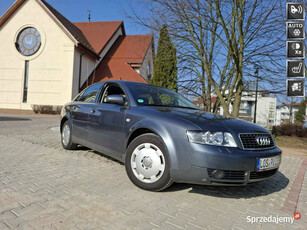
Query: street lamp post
x=256, y=99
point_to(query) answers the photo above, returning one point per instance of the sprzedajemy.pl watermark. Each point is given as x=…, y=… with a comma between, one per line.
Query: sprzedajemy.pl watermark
x=270, y=219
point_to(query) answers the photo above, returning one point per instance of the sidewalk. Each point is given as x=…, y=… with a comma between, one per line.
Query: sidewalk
x=43, y=186
x=24, y=112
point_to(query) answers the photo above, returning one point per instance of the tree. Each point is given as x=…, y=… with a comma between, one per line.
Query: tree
x=165, y=65
x=301, y=113
x=219, y=42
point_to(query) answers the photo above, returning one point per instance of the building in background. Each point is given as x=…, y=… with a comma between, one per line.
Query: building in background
x=283, y=114
x=266, y=105
x=46, y=59
x=286, y=112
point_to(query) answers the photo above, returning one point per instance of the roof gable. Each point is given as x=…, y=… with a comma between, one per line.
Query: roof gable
x=99, y=33
x=131, y=48
x=115, y=65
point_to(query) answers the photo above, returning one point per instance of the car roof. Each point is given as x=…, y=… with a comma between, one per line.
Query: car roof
x=120, y=82
x=126, y=83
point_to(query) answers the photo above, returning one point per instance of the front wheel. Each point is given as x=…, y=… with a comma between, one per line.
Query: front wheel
x=147, y=163
x=66, y=137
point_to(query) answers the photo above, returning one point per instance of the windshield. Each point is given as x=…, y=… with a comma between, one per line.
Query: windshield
x=148, y=95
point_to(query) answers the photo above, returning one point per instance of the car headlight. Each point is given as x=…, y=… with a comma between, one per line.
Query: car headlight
x=211, y=138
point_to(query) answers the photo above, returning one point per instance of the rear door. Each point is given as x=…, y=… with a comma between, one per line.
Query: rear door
x=80, y=114
x=106, y=123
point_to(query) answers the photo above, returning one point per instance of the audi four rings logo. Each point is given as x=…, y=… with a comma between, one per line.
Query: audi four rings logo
x=261, y=140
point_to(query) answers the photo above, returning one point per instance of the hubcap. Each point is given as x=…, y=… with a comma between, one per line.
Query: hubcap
x=147, y=163
x=66, y=134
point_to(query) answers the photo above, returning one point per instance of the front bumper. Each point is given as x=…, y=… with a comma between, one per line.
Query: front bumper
x=239, y=166
x=197, y=175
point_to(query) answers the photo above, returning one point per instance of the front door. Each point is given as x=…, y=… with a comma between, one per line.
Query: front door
x=105, y=125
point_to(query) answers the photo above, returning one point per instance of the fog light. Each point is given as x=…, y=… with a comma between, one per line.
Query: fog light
x=218, y=174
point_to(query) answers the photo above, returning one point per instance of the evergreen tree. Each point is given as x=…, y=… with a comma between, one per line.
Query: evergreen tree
x=301, y=113
x=165, y=65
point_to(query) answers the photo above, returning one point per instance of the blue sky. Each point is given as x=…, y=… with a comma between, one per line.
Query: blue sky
x=101, y=10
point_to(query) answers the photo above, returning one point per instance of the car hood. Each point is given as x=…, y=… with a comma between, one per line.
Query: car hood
x=211, y=122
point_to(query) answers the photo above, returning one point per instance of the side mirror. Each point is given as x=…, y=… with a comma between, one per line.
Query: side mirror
x=115, y=99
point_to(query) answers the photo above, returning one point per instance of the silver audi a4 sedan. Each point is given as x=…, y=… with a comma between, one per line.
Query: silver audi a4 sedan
x=162, y=137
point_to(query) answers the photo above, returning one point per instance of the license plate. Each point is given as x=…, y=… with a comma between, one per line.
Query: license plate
x=268, y=163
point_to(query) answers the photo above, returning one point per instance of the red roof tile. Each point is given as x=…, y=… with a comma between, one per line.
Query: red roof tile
x=99, y=33
x=115, y=65
x=115, y=69
x=131, y=48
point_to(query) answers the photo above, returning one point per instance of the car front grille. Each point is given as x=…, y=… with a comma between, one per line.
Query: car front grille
x=262, y=175
x=249, y=141
x=229, y=175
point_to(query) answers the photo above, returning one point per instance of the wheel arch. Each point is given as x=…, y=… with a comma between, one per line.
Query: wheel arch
x=158, y=130
x=63, y=120
x=137, y=132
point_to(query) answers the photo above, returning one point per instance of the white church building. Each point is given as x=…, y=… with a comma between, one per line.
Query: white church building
x=46, y=59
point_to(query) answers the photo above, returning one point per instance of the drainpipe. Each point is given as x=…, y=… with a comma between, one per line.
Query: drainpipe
x=80, y=73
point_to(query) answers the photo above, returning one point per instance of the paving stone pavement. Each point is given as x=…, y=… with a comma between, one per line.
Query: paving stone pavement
x=43, y=186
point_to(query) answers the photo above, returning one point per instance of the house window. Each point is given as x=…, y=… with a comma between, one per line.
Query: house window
x=272, y=105
x=28, y=41
x=148, y=72
x=243, y=105
x=271, y=114
x=25, y=84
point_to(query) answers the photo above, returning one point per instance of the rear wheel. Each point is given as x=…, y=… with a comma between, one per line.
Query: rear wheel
x=66, y=137
x=147, y=163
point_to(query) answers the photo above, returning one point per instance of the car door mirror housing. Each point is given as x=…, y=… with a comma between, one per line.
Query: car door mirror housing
x=115, y=99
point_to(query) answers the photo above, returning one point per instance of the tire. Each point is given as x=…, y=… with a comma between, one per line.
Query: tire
x=66, y=139
x=147, y=163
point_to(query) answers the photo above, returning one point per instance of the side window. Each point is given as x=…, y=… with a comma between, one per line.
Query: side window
x=77, y=98
x=90, y=94
x=112, y=90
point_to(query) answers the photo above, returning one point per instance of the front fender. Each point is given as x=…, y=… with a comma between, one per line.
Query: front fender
x=65, y=115
x=156, y=128
x=173, y=135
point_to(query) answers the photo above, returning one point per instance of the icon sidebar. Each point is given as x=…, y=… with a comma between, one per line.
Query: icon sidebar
x=296, y=49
